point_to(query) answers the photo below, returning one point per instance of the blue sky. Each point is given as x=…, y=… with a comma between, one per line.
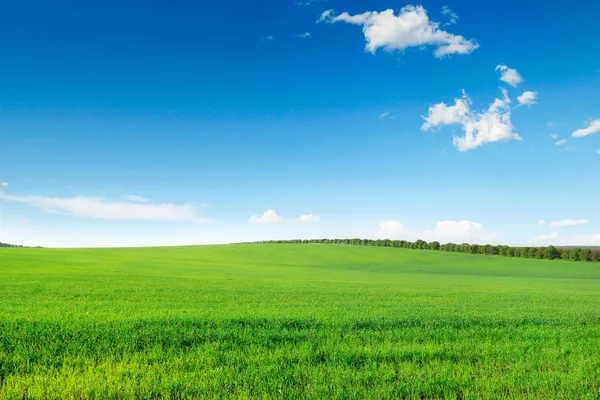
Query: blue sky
x=163, y=123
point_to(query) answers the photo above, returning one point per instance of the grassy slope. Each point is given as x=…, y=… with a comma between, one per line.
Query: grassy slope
x=289, y=321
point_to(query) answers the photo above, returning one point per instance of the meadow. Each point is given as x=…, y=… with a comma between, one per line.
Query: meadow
x=295, y=321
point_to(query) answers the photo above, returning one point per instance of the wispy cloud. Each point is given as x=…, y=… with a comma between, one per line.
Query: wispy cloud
x=593, y=128
x=546, y=238
x=99, y=208
x=385, y=114
x=561, y=142
x=3, y=184
x=306, y=3
x=598, y=151
x=268, y=38
x=270, y=217
x=450, y=14
x=138, y=199
x=509, y=75
x=304, y=35
x=554, y=137
x=567, y=223
x=410, y=28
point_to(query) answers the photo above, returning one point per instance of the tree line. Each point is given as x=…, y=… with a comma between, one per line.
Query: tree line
x=9, y=245
x=545, y=252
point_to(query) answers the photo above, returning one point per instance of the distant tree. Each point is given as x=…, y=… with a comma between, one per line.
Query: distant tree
x=540, y=252
x=551, y=253
x=596, y=255
x=575, y=253
x=585, y=255
x=435, y=245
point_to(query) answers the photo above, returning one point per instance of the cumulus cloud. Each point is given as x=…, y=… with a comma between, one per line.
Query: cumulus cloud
x=450, y=14
x=489, y=126
x=527, y=98
x=410, y=28
x=568, y=223
x=270, y=217
x=442, y=114
x=545, y=239
x=304, y=35
x=99, y=208
x=459, y=232
x=593, y=128
x=561, y=142
x=391, y=229
x=509, y=75
x=444, y=231
x=541, y=222
x=3, y=184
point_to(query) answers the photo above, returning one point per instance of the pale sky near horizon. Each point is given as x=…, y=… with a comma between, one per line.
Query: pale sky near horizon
x=169, y=123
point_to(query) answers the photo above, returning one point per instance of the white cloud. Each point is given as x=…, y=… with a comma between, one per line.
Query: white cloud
x=527, y=98
x=3, y=184
x=561, y=142
x=270, y=217
x=450, y=14
x=554, y=137
x=325, y=16
x=391, y=230
x=541, y=222
x=509, y=75
x=385, y=114
x=582, y=240
x=545, y=239
x=489, y=126
x=555, y=239
x=593, y=128
x=568, y=223
x=598, y=151
x=444, y=231
x=304, y=35
x=308, y=218
x=410, y=28
x=269, y=38
x=459, y=232
x=99, y=208
x=138, y=199
x=441, y=114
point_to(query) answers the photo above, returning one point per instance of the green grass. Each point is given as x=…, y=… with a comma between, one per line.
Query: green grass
x=295, y=321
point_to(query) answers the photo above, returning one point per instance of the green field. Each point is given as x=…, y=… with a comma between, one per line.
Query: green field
x=295, y=321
